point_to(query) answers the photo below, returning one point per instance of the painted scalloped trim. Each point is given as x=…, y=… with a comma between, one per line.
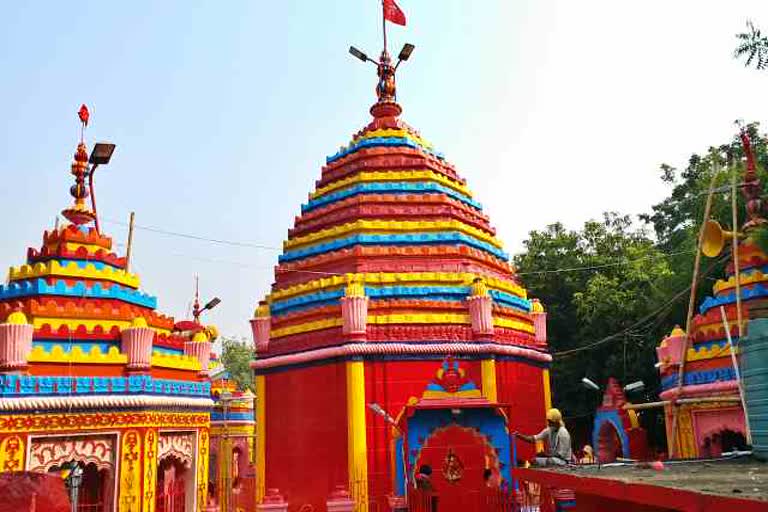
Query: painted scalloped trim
x=54, y=268
x=380, y=142
x=57, y=354
x=389, y=187
x=459, y=278
x=381, y=176
x=391, y=227
x=746, y=294
x=383, y=239
x=39, y=286
x=82, y=253
x=71, y=233
x=175, y=361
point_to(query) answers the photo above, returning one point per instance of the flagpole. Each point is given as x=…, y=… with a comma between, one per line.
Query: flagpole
x=384, y=25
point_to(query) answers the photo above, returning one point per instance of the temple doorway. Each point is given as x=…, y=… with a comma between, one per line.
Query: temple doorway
x=171, y=486
x=609, y=444
x=460, y=458
x=721, y=442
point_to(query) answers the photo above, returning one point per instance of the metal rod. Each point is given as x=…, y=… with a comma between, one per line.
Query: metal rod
x=738, y=374
x=384, y=25
x=129, y=245
x=93, y=197
x=691, y=304
x=704, y=399
x=735, y=254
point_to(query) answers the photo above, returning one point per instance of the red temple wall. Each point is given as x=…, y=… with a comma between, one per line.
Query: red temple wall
x=306, y=434
x=521, y=386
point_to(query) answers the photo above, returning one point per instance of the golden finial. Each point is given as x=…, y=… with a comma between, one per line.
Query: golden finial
x=262, y=310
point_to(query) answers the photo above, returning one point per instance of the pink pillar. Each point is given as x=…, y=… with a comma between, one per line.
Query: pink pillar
x=136, y=344
x=481, y=315
x=15, y=345
x=540, y=327
x=260, y=328
x=354, y=314
x=340, y=500
x=202, y=351
x=273, y=502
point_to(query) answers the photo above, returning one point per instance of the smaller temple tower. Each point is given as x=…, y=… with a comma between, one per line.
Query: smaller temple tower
x=712, y=418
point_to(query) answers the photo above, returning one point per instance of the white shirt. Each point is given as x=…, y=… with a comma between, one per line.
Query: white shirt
x=558, y=442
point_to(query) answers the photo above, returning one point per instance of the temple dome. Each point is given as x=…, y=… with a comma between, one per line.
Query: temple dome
x=392, y=217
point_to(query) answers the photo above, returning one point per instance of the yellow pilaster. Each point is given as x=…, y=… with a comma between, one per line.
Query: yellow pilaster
x=261, y=446
x=488, y=376
x=202, y=469
x=12, y=454
x=357, y=450
x=150, y=469
x=130, y=472
x=547, y=390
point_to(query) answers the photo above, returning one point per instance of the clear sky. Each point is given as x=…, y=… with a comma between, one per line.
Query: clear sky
x=224, y=111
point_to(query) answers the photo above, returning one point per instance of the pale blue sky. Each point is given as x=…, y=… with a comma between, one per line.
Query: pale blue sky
x=223, y=113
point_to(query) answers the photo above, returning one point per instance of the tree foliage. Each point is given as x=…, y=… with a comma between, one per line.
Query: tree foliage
x=236, y=356
x=594, y=283
x=625, y=285
x=754, y=46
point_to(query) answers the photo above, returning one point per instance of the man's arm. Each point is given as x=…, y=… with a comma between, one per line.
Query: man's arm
x=532, y=439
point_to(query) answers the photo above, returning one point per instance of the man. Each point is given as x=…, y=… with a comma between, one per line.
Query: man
x=557, y=438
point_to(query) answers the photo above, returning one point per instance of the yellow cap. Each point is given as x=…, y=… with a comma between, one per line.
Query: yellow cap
x=17, y=318
x=200, y=337
x=677, y=331
x=536, y=306
x=479, y=289
x=355, y=287
x=262, y=310
x=139, y=321
x=555, y=416
x=212, y=332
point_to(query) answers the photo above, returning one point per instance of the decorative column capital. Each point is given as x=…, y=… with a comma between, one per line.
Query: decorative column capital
x=480, y=310
x=136, y=344
x=340, y=500
x=199, y=348
x=539, y=316
x=354, y=309
x=260, y=326
x=15, y=342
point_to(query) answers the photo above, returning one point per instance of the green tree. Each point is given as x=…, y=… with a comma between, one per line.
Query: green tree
x=236, y=355
x=754, y=45
x=597, y=282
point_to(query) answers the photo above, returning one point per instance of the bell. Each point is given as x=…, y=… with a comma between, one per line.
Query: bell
x=715, y=238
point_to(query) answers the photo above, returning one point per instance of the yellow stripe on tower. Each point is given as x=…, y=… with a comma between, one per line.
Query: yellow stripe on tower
x=72, y=269
x=357, y=447
x=389, y=132
x=386, y=227
x=378, y=176
x=261, y=445
x=547, y=390
x=488, y=377
x=73, y=324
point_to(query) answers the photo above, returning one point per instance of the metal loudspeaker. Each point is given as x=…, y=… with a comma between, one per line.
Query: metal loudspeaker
x=715, y=238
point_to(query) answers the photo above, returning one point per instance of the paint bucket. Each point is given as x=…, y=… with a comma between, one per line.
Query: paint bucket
x=754, y=376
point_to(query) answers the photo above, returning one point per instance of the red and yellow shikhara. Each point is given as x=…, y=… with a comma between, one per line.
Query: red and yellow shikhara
x=391, y=268
x=91, y=373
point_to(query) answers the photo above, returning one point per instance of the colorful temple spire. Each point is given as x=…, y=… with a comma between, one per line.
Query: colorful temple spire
x=391, y=267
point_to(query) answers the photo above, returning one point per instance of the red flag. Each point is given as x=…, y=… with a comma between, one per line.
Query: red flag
x=393, y=13
x=83, y=114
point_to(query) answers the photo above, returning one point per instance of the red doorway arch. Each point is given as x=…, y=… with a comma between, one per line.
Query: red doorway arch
x=609, y=444
x=459, y=457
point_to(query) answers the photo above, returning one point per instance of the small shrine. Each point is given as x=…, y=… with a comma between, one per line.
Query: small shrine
x=232, y=471
x=93, y=378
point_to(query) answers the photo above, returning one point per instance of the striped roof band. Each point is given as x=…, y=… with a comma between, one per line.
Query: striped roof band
x=441, y=293
x=38, y=287
x=404, y=175
x=381, y=142
x=399, y=278
x=400, y=318
x=390, y=132
x=384, y=239
x=388, y=227
x=401, y=187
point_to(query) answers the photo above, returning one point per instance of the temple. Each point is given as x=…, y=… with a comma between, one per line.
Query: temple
x=396, y=334
x=93, y=379
x=710, y=416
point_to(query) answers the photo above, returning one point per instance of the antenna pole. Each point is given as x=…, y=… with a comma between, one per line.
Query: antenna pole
x=129, y=245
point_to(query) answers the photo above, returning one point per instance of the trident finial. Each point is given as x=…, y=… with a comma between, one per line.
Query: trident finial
x=751, y=187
